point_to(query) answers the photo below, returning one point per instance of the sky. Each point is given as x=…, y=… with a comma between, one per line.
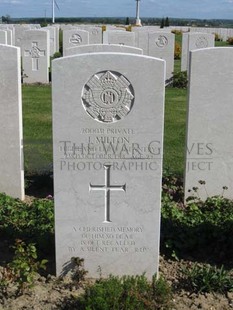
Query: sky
x=203, y=9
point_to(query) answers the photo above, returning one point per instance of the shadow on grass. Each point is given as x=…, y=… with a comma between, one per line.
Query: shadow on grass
x=196, y=230
x=45, y=250
x=203, y=242
x=39, y=185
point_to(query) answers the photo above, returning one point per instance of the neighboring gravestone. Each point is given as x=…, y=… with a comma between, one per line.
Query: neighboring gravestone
x=57, y=28
x=99, y=48
x=52, y=35
x=68, y=27
x=196, y=41
x=19, y=33
x=9, y=33
x=184, y=51
x=11, y=137
x=9, y=37
x=35, y=56
x=13, y=34
x=161, y=45
x=35, y=26
x=209, y=155
x=148, y=29
x=141, y=41
x=223, y=34
x=108, y=139
x=95, y=34
x=75, y=37
x=3, y=37
x=119, y=37
x=110, y=28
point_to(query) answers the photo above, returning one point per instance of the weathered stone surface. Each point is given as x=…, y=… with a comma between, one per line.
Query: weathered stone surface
x=3, y=37
x=11, y=143
x=210, y=127
x=119, y=37
x=194, y=41
x=95, y=34
x=99, y=48
x=161, y=45
x=35, y=55
x=75, y=37
x=108, y=137
x=52, y=39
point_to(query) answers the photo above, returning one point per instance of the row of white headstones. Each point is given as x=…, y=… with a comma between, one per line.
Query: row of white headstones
x=39, y=44
x=108, y=118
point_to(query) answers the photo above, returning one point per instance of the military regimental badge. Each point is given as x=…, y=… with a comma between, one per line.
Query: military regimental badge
x=201, y=42
x=108, y=97
x=162, y=41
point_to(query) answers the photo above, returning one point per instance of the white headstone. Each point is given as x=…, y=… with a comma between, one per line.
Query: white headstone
x=75, y=37
x=95, y=34
x=200, y=40
x=9, y=37
x=142, y=40
x=35, y=56
x=9, y=33
x=196, y=41
x=142, y=36
x=108, y=137
x=149, y=29
x=161, y=45
x=19, y=33
x=229, y=33
x=68, y=27
x=209, y=155
x=35, y=26
x=223, y=34
x=57, y=28
x=11, y=136
x=110, y=27
x=13, y=35
x=53, y=38
x=3, y=37
x=184, y=53
x=119, y=37
x=100, y=48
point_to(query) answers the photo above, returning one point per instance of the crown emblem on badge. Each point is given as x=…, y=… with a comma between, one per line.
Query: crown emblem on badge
x=108, y=80
x=108, y=97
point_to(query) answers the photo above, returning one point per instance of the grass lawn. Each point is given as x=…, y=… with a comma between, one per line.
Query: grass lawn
x=220, y=43
x=174, y=130
x=37, y=127
x=37, y=116
x=177, y=65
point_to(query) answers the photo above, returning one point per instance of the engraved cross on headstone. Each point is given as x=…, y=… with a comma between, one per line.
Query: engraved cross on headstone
x=107, y=188
x=35, y=53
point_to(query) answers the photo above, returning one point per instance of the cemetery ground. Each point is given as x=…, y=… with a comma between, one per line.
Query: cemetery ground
x=196, y=238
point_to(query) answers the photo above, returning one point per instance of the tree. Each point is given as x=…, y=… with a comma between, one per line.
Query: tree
x=6, y=19
x=162, y=23
x=166, y=24
x=127, y=21
x=44, y=24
